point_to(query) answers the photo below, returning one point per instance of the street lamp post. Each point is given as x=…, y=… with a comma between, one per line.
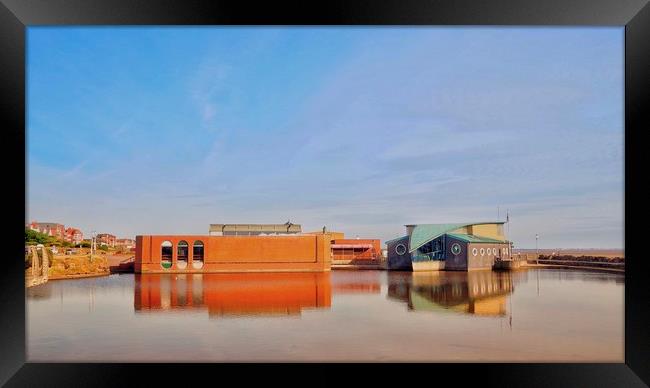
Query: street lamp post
x=92, y=245
x=536, y=251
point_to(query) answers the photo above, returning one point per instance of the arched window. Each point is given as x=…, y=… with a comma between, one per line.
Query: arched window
x=197, y=254
x=182, y=252
x=166, y=249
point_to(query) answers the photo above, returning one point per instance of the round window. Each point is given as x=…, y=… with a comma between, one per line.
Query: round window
x=482, y=251
x=455, y=249
x=474, y=251
x=400, y=249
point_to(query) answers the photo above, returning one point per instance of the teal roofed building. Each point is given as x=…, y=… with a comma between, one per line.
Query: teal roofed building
x=455, y=246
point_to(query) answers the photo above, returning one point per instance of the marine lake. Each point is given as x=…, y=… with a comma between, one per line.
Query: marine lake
x=546, y=315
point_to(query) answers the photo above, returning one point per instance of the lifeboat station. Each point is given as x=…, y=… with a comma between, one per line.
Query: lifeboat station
x=456, y=247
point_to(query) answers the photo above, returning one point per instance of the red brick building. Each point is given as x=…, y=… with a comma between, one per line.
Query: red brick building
x=356, y=249
x=106, y=239
x=352, y=249
x=73, y=235
x=50, y=228
x=126, y=243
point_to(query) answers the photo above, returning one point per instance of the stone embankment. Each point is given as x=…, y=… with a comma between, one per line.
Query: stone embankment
x=363, y=264
x=614, y=264
x=37, y=265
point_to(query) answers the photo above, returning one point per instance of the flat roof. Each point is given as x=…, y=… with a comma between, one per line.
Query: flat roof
x=352, y=245
x=255, y=227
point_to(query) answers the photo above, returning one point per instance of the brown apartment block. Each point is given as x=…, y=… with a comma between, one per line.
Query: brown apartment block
x=107, y=239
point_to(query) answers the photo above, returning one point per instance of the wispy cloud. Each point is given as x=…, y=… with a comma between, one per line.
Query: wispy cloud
x=361, y=130
x=206, y=84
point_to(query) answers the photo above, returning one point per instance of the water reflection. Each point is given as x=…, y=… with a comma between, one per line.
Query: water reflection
x=259, y=294
x=482, y=293
x=356, y=282
x=558, y=317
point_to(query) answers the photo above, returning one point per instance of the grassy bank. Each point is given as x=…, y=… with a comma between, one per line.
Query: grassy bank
x=78, y=266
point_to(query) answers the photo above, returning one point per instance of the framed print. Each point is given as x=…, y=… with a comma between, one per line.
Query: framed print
x=214, y=187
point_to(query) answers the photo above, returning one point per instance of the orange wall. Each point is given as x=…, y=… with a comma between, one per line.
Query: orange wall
x=239, y=253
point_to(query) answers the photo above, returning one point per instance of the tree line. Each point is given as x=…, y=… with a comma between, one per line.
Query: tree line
x=33, y=237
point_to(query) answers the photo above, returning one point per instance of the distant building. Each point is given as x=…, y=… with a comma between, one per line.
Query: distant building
x=50, y=228
x=460, y=246
x=106, y=239
x=351, y=249
x=73, y=235
x=287, y=228
x=356, y=249
x=127, y=243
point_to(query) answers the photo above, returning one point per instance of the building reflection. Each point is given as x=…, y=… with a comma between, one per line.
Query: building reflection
x=480, y=292
x=251, y=294
x=356, y=282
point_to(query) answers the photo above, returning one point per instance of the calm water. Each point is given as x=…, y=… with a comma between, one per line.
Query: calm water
x=534, y=315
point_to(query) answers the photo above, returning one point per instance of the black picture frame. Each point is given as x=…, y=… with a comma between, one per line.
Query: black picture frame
x=17, y=15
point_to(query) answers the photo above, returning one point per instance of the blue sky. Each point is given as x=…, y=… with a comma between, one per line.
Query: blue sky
x=165, y=130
